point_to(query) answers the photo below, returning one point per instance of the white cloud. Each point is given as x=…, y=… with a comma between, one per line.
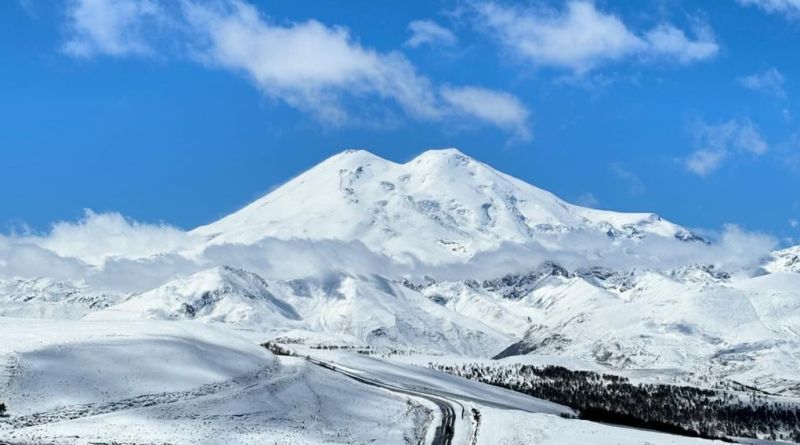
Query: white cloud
x=27, y=260
x=498, y=108
x=319, y=69
x=98, y=237
x=581, y=37
x=733, y=249
x=670, y=42
x=309, y=65
x=789, y=8
x=110, y=27
x=769, y=81
x=749, y=139
x=793, y=223
x=428, y=32
x=704, y=162
x=719, y=142
x=132, y=257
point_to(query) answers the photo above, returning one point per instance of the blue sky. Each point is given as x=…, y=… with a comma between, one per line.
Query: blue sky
x=184, y=111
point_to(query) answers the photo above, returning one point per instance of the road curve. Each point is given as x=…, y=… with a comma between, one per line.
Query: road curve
x=444, y=432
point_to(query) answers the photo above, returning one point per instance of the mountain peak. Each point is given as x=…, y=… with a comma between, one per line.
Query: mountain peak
x=360, y=156
x=440, y=155
x=354, y=156
x=441, y=205
x=441, y=152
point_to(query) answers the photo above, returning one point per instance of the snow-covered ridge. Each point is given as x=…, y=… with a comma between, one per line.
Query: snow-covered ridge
x=441, y=205
x=786, y=260
x=222, y=294
x=682, y=319
x=691, y=321
x=365, y=310
x=49, y=298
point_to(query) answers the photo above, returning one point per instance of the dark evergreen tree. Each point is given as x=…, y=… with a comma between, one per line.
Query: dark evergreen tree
x=728, y=411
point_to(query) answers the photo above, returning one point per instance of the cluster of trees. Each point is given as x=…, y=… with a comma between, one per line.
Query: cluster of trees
x=289, y=340
x=341, y=347
x=365, y=350
x=675, y=409
x=2, y=409
x=278, y=349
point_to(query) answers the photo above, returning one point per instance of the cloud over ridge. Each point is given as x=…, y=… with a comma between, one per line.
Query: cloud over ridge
x=110, y=251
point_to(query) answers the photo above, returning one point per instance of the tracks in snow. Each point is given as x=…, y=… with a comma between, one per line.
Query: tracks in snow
x=78, y=411
x=444, y=432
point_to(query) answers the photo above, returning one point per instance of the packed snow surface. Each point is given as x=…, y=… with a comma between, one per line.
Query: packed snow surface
x=183, y=383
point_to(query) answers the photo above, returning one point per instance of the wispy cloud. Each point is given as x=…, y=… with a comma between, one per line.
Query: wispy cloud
x=319, y=69
x=635, y=185
x=309, y=65
x=428, y=32
x=769, y=81
x=581, y=37
x=704, y=162
x=113, y=252
x=788, y=8
x=101, y=236
x=110, y=27
x=587, y=200
x=29, y=8
x=716, y=143
x=498, y=108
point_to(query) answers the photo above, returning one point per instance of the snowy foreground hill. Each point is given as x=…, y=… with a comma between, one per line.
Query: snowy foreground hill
x=377, y=271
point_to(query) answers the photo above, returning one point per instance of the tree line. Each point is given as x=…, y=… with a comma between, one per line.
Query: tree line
x=686, y=410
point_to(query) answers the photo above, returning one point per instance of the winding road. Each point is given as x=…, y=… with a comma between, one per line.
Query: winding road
x=444, y=432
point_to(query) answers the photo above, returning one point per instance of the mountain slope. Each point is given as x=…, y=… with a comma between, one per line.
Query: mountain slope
x=439, y=207
x=366, y=310
x=90, y=382
x=222, y=294
x=786, y=260
x=48, y=298
x=695, y=321
x=444, y=208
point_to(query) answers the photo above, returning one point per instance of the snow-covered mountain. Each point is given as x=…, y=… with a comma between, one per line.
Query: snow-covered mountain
x=695, y=321
x=353, y=309
x=786, y=260
x=49, y=298
x=222, y=294
x=686, y=320
x=440, y=206
x=444, y=207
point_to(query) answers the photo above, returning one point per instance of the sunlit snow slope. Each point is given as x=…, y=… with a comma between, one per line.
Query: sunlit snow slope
x=440, y=206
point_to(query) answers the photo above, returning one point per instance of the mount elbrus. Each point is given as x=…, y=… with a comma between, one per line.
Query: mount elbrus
x=441, y=256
